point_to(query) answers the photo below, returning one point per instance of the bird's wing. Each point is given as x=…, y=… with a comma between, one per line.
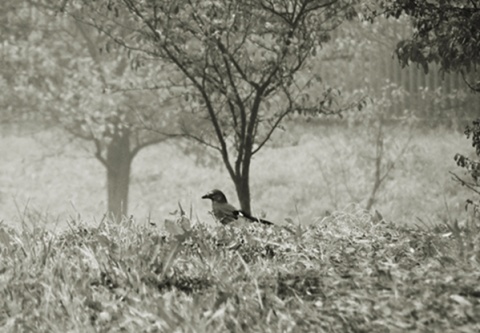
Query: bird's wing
x=224, y=212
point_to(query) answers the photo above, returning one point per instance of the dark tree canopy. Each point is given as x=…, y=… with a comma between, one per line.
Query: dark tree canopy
x=445, y=32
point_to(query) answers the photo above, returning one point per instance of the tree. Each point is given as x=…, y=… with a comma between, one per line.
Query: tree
x=445, y=32
x=15, y=27
x=95, y=94
x=246, y=63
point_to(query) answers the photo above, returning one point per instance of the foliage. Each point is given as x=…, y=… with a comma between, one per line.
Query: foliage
x=364, y=51
x=15, y=24
x=474, y=133
x=91, y=92
x=471, y=166
x=61, y=71
x=446, y=32
x=344, y=273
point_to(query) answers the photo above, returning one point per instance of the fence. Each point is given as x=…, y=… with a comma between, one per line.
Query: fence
x=432, y=97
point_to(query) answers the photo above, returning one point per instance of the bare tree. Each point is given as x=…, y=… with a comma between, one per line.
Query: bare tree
x=246, y=61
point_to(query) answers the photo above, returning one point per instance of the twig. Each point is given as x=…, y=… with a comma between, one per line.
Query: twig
x=464, y=183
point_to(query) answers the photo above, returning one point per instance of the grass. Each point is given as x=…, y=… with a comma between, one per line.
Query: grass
x=328, y=266
x=344, y=273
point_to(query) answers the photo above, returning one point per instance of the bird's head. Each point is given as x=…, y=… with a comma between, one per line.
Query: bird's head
x=216, y=196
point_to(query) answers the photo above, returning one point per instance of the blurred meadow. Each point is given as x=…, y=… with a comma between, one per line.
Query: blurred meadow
x=69, y=101
x=308, y=170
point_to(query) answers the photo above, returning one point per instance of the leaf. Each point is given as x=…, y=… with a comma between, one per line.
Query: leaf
x=173, y=228
x=170, y=258
x=460, y=300
x=182, y=212
x=103, y=240
x=184, y=223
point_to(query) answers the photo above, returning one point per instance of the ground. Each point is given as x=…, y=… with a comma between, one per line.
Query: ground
x=346, y=273
x=412, y=263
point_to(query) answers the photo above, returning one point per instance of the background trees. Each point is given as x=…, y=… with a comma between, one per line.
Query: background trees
x=108, y=101
x=15, y=29
x=245, y=61
x=95, y=93
x=446, y=33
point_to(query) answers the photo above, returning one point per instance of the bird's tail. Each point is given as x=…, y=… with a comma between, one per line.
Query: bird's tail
x=251, y=218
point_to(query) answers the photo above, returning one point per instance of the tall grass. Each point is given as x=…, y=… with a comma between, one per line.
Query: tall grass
x=345, y=273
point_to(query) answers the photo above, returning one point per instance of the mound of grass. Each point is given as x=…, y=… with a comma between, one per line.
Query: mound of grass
x=344, y=273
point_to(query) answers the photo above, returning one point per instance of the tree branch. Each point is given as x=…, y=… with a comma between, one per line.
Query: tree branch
x=92, y=50
x=200, y=140
x=272, y=129
x=464, y=183
x=147, y=143
x=98, y=153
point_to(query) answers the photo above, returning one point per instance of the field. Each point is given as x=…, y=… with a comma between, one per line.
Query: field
x=306, y=171
x=328, y=265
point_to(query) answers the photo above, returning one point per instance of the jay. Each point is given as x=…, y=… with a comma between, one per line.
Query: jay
x=225, y=213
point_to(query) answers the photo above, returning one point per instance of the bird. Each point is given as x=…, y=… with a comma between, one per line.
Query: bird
x=226, y=213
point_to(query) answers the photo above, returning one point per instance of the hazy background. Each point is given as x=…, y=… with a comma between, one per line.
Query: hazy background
x=312, y=166
x=308, y=169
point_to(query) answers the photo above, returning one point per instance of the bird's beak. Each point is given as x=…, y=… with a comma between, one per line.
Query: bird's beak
x=207, y=196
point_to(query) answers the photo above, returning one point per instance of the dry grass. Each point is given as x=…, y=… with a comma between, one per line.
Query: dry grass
x=344, y=273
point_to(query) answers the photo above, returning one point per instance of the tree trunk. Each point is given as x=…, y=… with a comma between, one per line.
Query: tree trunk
x=119, y=161
x=243, y=192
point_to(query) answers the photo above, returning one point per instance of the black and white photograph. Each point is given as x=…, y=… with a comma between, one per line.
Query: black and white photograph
x=239, y=166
